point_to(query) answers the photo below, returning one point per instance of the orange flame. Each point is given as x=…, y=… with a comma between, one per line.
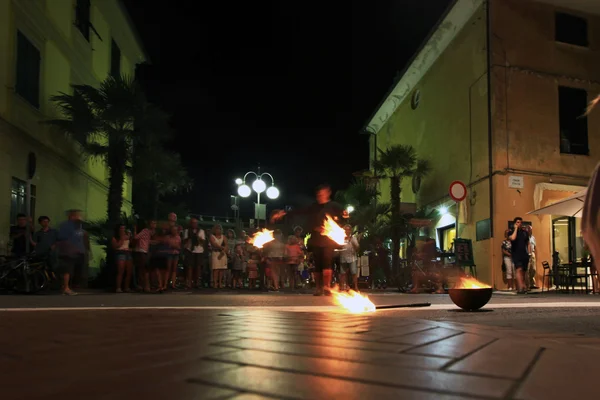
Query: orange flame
x=259, y=239
x=334, y=231
x=352, y=301
x=468, y=282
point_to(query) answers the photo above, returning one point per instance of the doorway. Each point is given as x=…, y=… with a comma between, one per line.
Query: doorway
x=567, y=239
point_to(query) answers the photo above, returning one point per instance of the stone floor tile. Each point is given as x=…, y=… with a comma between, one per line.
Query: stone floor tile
x=394, y=332
x=455, y=346
x=251, y=396
x=502, y=358
x=423, y=337
x=417, y=361
x=296, y=386
x=178, y=391
x=561, y=374
x=406, y=378
x=327, y=341
x=161, y=377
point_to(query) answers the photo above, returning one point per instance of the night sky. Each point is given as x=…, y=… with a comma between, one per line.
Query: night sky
x=287, y=85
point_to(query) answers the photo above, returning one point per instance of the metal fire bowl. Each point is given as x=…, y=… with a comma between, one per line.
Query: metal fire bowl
x=470, y=299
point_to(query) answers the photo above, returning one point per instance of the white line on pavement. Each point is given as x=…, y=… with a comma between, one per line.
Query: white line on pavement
x=308, y=308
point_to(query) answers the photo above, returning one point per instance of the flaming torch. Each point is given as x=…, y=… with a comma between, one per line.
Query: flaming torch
x=259, y=239
x=470, y=294
x=352, y=301
x=332, y=230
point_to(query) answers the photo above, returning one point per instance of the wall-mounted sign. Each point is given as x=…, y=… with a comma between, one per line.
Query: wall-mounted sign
x=457, y=191
x=516, y=182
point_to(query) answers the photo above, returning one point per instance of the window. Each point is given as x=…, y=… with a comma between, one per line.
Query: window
x=446, y=236
x=28, y=70
x=82, y=18
x=571, y=29
x=573, y=126
x=115, y=59
x=567, y=240
x=18, y=199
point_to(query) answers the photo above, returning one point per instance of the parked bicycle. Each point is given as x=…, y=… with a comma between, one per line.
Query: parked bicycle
x=24, y=275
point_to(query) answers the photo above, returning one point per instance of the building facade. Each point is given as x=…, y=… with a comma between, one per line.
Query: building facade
x=495, y=98
x=46, y=46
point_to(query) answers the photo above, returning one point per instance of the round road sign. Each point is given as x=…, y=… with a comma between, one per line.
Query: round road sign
x=458, y=191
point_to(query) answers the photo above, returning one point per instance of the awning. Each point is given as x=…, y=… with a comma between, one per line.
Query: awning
x=570, y=207
x=540, y=188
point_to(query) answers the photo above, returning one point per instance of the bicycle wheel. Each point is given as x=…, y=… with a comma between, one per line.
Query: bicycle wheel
x=36, y=281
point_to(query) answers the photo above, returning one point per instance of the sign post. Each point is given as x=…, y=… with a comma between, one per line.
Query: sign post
x=31, y=166
x=458, y=192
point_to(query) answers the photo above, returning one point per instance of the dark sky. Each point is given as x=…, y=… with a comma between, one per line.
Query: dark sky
x=284, y=84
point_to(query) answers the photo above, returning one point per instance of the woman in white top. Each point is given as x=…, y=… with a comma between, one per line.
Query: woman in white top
x=218, y=244
x=348, y=259
x=120, y=244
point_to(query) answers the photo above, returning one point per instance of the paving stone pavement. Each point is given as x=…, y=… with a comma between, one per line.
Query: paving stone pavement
x=254, y=354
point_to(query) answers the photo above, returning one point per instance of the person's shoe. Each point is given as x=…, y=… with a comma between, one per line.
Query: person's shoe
x=119, y=290
x=318, y=292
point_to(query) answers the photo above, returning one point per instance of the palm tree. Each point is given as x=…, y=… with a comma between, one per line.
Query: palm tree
x=397, y=163
x=159, y=173
x=108, y=122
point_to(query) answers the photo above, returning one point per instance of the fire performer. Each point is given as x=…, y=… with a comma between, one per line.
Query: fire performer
x=319, y=244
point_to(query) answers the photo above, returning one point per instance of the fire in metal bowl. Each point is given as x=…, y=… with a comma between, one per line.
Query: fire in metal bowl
x=470, y=294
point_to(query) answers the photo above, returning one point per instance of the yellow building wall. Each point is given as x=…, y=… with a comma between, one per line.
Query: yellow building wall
x=63, y=179
x=526, y=75
x=61, y=13
x=450, y=129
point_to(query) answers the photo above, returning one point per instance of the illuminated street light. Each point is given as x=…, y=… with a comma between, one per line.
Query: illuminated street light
x=349, y=209
x=272, y=193
x=443, y=210
x=259, y=186
x=244, y=190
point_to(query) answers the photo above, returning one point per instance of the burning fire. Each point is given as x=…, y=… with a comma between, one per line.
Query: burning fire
x=352, y=301
x=334, y=231
x=259, y=239
x=467, y=282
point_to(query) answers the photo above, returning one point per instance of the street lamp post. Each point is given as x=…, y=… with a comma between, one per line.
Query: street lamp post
x=259, y=186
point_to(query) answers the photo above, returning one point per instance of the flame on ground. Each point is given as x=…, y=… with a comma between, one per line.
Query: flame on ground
x=259, y=239
x=352, y=301
x=334, y=231
x=467, y=282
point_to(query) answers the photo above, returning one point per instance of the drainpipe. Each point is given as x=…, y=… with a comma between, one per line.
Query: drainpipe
x=490, y=126
x=489, y=89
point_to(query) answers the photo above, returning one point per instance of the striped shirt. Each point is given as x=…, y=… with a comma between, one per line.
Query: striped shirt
x=143, y=240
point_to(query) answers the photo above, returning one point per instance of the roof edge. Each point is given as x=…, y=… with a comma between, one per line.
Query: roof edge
x=136, y=33
x=451, y=22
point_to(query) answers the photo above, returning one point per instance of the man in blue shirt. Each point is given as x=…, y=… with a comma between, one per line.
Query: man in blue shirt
x=71, y=248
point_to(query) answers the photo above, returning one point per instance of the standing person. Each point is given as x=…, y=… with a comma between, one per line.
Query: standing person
x=319, y=244
x=295, y=257
x=19, y=236
x=173, y=240
x=141, y=253
x=194, y=239
x=44, y=242
x=348, y=260
x=520, y=246
x=120, y=243
x=507, y=260
x=531, y=268
x=231, y=243
x=218, y=244
x=274, y=252
x=71, y=248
